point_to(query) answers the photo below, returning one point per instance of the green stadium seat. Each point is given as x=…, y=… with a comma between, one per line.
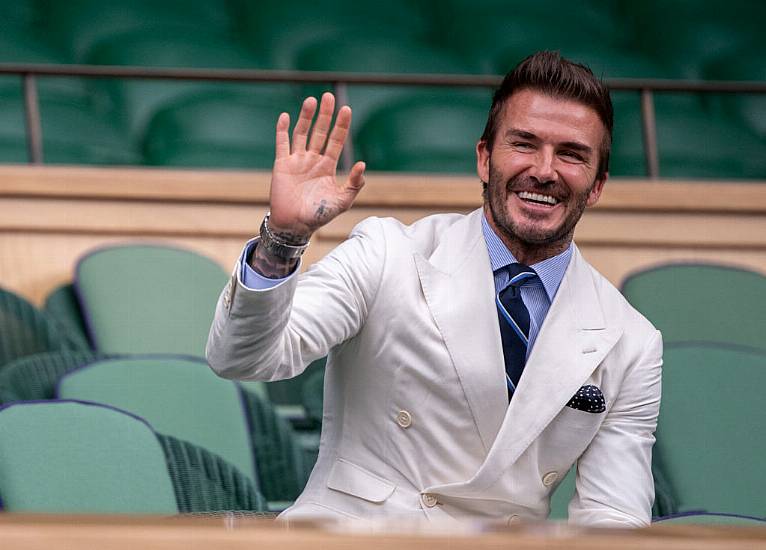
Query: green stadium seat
x=489, y=32
x=139, y=99
x=701, y=303
x=25, y=330
x=703, y=518
x=288, y=396
x=217, y=130
x=282, y=469
x=61, y=305
x=284, y=463
x=686, y=35
x=178, y=397
x=416, y=135
x=97, y=141
x=165, y=302
x=278, y=30
x=709, y=440
x=19, y=14
x=35, y=377
x=78, y=457
x=747, y=65
x=382, y=55
x=204, y=482
x=562, y=495
x=28, y=45
x=694, y=142
x=68, y=457
x=76, y=26
x=312, y=396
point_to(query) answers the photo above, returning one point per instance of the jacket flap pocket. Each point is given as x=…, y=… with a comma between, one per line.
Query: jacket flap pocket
x=354, y=480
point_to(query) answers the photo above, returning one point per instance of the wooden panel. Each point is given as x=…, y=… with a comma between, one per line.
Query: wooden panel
x=52, y=215
x=230, y=533
x=382, y=189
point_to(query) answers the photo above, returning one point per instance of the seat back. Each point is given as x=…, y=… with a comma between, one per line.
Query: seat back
x=61, y=305
x=422, y=134
x=148, y=299
x=24, y=330
x=710, y=443
x=69, y=457
x=177, y=396
x=702, y=303
x=705, y=518
x=35, y=377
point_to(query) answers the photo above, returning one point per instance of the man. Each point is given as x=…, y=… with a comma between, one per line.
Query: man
x=472, y=359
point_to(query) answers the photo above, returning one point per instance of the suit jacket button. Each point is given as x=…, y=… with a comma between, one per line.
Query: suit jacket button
x=404, y=419
x=514, y=519
x=550, y=478
x=429, y=500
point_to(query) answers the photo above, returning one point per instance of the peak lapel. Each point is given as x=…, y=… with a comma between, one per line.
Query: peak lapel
x=573, y=341
x=458, y=285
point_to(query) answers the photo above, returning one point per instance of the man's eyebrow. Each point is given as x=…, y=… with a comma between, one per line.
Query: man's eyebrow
x=523, y=134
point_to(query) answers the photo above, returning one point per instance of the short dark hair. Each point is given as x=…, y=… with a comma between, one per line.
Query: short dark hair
x=551, y=74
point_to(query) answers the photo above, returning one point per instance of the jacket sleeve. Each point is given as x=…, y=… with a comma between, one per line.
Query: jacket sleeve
x=614, y=476
x=275, y=333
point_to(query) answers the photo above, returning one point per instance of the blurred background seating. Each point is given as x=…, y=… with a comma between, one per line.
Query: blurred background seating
x=134, y=121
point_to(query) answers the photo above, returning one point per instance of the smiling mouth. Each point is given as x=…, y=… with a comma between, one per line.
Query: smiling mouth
x=537, y=198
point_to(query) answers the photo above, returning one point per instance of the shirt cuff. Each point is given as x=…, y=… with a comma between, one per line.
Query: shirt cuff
x=251, y=279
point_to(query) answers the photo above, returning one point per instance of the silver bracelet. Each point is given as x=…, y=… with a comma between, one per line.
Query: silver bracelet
x=278, y=247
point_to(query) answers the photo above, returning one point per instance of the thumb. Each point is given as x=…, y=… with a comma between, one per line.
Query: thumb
x=356, y=178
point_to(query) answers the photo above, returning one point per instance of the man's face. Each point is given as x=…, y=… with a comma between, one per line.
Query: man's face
x=541, y=171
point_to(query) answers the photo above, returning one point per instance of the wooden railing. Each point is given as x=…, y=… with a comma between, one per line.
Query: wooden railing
x=52, y=215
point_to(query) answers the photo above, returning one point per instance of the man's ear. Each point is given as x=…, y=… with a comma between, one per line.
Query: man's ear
x=598, y=187
x=482, y=160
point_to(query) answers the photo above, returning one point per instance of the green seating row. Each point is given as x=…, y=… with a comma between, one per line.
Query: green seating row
x=151, y=122
x=107, y=461
x=24, y=330
x=179, y=397
x=712, y=321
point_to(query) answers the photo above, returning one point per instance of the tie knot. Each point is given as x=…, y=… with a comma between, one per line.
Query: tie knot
x=520, y=274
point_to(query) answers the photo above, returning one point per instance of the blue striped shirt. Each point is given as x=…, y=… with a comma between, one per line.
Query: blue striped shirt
x=538, y=294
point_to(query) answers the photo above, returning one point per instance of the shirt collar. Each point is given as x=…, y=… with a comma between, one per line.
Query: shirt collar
x=550, y=271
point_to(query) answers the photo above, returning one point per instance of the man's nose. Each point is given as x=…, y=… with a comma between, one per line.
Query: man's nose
x=543, y=168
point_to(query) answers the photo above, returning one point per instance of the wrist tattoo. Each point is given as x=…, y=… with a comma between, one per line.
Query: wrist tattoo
x=270, y=266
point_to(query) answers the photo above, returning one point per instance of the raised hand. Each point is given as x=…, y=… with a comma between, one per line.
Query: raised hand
x=305, y=193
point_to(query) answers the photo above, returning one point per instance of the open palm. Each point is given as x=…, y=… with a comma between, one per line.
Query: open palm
x=305, y=193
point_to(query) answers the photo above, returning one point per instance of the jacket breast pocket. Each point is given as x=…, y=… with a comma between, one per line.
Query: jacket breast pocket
x=348, y=478
x=569, y=434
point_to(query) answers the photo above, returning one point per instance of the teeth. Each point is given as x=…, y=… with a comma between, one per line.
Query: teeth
x=538, y=197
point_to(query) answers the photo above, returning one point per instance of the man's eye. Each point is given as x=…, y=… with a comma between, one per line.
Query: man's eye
x=522, y=145
x=572, y=155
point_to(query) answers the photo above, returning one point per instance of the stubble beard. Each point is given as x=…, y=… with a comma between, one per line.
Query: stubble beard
x=532, y=238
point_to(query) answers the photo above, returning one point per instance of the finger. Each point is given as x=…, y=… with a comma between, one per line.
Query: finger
x=356, y=178
x=322, y=124
x=283, y=135
x=301, y=130
x=339, y=133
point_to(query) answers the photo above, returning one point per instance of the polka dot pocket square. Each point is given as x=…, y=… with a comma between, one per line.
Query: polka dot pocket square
x=588, y=399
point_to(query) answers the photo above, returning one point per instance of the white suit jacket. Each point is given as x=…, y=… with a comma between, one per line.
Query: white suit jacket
x=416, y=418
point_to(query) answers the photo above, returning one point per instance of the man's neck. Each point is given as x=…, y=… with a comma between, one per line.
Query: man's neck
x=529, y=253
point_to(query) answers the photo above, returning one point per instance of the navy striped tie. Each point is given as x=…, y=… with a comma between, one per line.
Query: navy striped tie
x=514, y=323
